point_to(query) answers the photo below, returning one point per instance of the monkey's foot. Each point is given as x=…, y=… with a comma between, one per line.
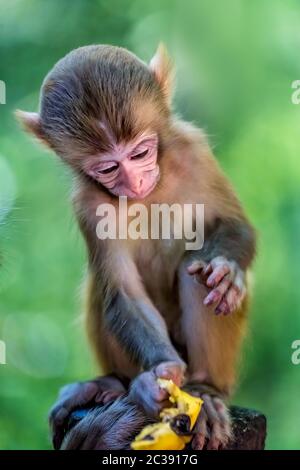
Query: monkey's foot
x=225, y=279
x=109, y=427
x=213, y=426
x=81, y=394
x=146, y=392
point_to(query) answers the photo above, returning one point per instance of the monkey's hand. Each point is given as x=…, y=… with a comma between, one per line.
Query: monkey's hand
x=225, y=279
x=81, y=394
x=213, y=426
x=146, y=392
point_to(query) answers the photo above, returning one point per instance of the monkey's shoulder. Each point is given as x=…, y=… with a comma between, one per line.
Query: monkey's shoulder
x=190, y=153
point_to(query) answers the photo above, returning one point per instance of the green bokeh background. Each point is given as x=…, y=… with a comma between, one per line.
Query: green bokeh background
x=236, y=61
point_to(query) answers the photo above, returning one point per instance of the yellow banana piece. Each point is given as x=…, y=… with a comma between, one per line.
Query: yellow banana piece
x=173, y=432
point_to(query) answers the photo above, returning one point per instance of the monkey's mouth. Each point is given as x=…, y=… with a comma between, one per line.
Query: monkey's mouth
x=153, y=186
x=146, y=192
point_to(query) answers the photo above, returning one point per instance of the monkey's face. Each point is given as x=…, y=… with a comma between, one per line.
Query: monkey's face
x=129, y=169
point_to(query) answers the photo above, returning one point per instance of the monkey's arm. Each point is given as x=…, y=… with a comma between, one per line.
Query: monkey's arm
x=234, y=239
x=229, y=242
x=132, y=328
x=145, y=338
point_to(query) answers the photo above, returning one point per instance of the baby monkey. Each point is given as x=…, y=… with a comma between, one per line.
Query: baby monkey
x=154, y=308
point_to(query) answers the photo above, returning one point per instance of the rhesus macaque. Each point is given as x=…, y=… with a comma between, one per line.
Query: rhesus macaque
x=154, y=309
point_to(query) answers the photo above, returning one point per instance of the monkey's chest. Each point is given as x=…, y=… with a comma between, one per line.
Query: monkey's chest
x=158, y=264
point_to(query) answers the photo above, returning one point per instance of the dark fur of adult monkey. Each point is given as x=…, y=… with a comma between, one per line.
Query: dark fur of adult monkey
x=108, y=116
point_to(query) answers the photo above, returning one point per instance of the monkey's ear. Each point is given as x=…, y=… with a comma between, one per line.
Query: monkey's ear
x=162, y=67
x=31, y=123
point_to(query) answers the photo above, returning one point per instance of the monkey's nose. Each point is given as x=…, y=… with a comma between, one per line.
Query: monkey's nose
x=136, y=186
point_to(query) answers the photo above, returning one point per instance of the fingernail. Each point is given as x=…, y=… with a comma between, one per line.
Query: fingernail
x=209, y=300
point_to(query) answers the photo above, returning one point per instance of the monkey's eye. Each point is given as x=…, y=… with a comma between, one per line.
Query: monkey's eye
x=140, y=155
x=107, y=170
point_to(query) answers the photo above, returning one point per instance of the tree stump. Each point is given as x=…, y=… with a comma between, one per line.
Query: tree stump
x=249, y=428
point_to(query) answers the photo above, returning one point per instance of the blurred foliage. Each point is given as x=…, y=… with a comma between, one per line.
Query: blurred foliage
x=236, y=61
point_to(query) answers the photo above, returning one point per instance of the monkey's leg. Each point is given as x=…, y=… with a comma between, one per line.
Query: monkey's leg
x=212, y=343
x=79, y=394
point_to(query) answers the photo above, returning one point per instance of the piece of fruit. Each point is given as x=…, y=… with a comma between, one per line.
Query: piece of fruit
x=174, y=430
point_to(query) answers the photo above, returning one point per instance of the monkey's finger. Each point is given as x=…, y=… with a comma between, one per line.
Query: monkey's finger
x=235, y=296
x=202, y=275
x=201, y=431
x=239, y=283
x=57, y=436
x=198, y=441
x=146, y=392
x=212, y=414
x=233, y=299
x=219, y=422
x=215, y=441
x=171, y=371
x=216, y=295
x=106, y=396
x=217, y=275
x=218, y=438
x=208, y=269
x=223, y=414
x=58, y=426
x=220, y=425
x=57, y=420
x=158, y=394
x=196, y=267
x=73, y=396
x=147, y=385
x=223, y=307
x=151, y=406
